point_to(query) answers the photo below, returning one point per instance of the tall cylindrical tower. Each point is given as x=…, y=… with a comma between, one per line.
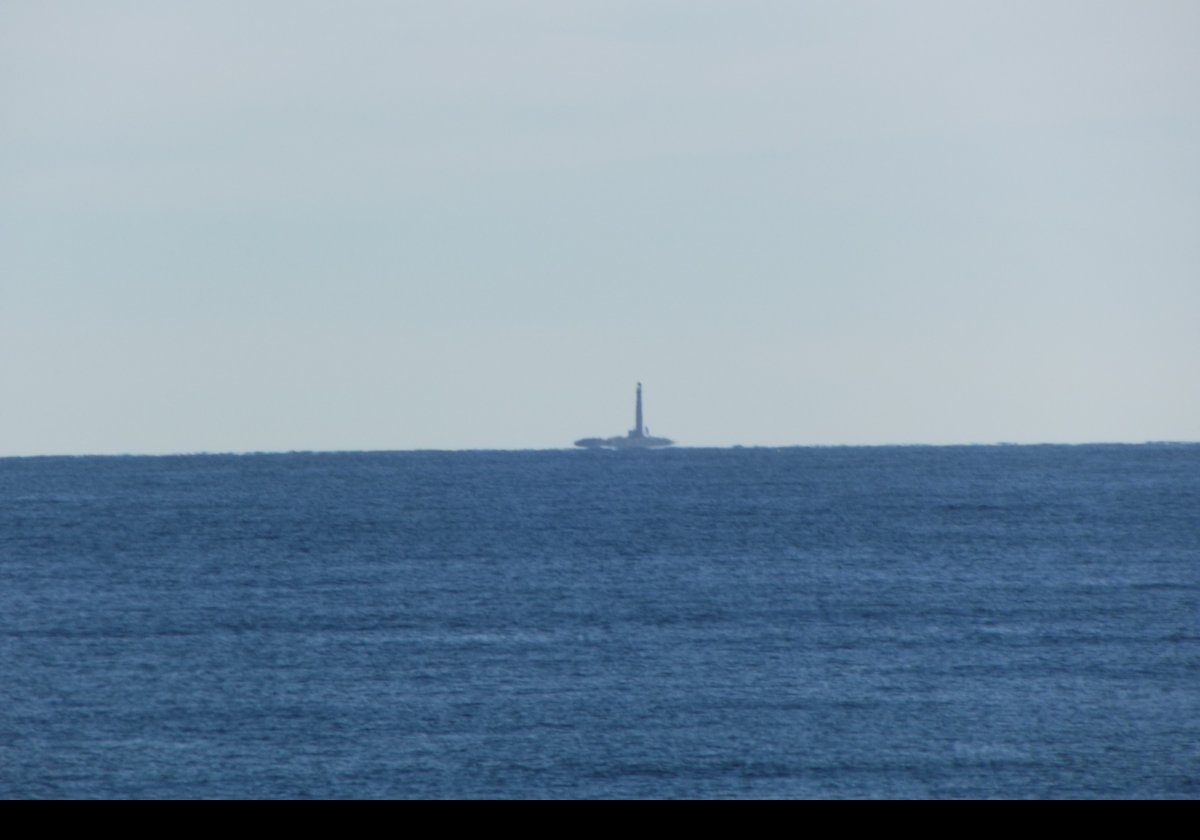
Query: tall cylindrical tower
x=638, y=431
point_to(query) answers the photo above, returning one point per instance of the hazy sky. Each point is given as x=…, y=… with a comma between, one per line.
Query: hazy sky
x=276, y=225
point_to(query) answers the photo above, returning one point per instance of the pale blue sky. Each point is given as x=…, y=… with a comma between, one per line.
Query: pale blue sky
x=275, y=225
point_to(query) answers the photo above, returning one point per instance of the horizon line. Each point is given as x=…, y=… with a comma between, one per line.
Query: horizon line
x=572, y=448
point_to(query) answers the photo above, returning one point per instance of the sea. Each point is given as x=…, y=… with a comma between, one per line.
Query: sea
x=859, y=622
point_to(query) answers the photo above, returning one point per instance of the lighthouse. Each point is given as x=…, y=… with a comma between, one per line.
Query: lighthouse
x=639, y=429
x=635, y=438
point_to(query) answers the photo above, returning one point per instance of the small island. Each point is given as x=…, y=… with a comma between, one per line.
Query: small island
x=637, y=437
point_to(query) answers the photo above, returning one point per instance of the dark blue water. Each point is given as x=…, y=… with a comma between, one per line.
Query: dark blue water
x=875, y=622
